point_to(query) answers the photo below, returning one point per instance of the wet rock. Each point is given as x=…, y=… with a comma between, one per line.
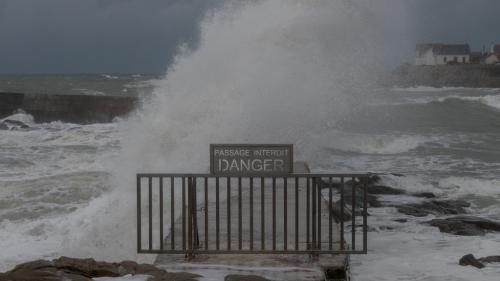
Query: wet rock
x=470, y=260
x=465, y=225
x=424, y=195
x=447, y=207
x=490, y=259
x=386, y=190
x=87, y=267
x=72, y=269
x=457, y=228
x=14, y=124
x=235, y=277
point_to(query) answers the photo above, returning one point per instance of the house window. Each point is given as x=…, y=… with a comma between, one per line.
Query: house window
x=456, y=59
x=445, y=58
x=463, y=59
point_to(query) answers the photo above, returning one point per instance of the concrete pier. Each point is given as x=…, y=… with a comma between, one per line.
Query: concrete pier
x=272, y=266
x=80, y=109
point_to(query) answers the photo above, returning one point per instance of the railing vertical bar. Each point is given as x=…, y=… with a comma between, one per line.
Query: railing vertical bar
x=251, y=213
x=365, y=217
x=217, y=220
x=240, y=231
x=308, y=203
x=262, y=215
x=196, y=240
x=190, y=214
x=296, y=213
x=353, y=211
x=330, y=210
x=342, y=207
x=313, y=209
x=150, y=207
x=183, y=213
x=285, y=215
x=229, y=213
x=172, y=213
x=206, y=213
x=274, y=213
x=320, y=201
x=139, y=227
x=161, y=212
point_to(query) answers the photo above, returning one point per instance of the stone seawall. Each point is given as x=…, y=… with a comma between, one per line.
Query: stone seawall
x=470, y=75
x=81, y=109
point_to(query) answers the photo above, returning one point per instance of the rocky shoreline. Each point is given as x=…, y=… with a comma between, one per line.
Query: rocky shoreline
x=453, y=216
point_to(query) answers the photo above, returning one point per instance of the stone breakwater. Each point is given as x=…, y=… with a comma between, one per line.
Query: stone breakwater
x=471, y=76
x=80, y=109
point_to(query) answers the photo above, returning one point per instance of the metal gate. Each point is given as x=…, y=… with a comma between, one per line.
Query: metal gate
x=293, y=214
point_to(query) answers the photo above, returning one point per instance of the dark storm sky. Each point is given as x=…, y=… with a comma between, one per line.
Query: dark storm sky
x=141, y=36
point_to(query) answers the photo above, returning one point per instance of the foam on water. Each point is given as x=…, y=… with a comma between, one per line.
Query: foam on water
x=375, y=144
x=264, y=72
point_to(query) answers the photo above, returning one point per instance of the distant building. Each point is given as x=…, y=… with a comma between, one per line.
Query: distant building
x=493, y=56
x=440, y=54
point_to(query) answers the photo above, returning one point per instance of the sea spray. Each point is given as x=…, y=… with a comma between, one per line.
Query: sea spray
x=264, y=72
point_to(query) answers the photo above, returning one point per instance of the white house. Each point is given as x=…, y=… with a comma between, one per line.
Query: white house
x=439, y=54
x=493, y=57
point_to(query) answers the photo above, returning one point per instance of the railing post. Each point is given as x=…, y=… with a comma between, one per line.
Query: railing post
x=365, y=216
x=139, y=226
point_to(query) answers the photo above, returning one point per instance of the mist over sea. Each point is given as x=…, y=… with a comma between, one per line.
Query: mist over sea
x=265, y=72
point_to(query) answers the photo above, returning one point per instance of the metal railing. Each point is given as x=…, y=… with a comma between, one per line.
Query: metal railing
x=291, y=214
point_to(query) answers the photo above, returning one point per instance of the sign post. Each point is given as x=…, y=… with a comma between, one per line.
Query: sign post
x=251, y=159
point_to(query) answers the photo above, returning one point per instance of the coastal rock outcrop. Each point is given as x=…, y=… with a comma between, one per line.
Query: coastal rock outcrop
x=465, y=225
x=8, y=124
x=469, y=259
x=435, y=207
x=235, y=277
x=73, y=269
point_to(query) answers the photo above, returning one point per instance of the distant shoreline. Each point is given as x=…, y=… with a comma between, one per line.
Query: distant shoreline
x=439, y=76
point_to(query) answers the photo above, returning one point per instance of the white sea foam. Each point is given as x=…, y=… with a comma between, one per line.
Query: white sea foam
x=424, y=89
x=268, y=71
x=376, y=144
x=462, y=186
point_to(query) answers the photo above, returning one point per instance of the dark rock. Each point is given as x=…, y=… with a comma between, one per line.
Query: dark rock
x=235, y=277
x=14, y=124
x=465, y=225
x=490, y=259
x=127, y=267
x=424, y=195
x=470, y=260
x=382, y=189
x=33, y=265
x=449, y=207
x=177, y=276
x=72, y=269
x=87, y=267
x=457, y=228
x=401, y=220
x=45, y=274
x=3, y=126
x=480, y=222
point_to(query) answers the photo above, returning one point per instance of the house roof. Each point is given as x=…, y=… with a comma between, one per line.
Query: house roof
x=444, y=49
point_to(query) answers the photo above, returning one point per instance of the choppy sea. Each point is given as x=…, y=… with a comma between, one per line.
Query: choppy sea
x=275, y=71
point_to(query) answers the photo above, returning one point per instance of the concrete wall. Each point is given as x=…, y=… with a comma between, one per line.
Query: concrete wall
x=81, y=109
x=461, y=75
